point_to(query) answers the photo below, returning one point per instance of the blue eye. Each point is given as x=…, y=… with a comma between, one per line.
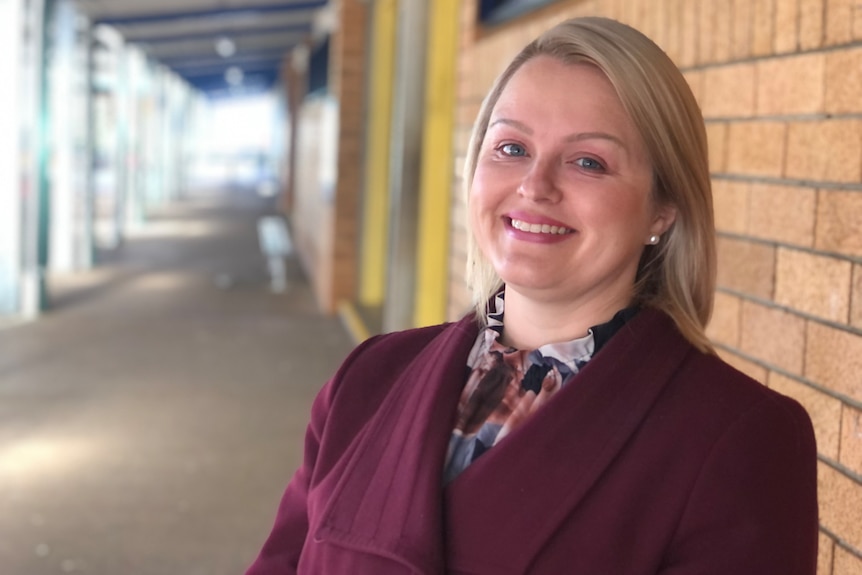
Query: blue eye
x=516, y=150
x=589, y=164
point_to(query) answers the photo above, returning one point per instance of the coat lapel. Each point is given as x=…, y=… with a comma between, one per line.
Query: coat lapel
x=388, y=499
x=506, y=505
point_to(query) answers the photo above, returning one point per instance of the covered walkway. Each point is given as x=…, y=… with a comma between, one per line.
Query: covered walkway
x=151, y=421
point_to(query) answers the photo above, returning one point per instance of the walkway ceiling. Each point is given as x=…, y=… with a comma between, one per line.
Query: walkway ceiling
x=206, y=41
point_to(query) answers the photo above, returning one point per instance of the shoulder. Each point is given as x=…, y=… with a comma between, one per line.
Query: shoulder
x=750, y=469
x=719, y=383
x=707, y=383
x=706, y=393
x=727, y=407
x=394, y=351
x=372, y=371
x=375, y=364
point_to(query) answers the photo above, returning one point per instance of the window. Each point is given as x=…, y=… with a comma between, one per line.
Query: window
x=318, y=68
x=497, y=11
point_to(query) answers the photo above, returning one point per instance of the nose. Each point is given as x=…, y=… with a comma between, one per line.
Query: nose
x=539, y=182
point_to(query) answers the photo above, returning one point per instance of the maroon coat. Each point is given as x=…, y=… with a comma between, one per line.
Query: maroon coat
x=655, y=459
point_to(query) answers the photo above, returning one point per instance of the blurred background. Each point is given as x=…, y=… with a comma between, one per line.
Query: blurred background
x=204, y=204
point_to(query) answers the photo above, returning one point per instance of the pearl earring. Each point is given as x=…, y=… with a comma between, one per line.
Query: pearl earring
x=653, y=239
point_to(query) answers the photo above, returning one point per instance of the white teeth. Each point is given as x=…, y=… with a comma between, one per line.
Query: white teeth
x=539, y=228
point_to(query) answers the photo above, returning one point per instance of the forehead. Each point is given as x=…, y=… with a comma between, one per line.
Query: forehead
x=552, y=101
x=555, y=97
x=545, y=80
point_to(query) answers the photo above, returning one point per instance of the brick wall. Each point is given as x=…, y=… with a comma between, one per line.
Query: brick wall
x=325, y=214
x=780, y=85
x=347, y=77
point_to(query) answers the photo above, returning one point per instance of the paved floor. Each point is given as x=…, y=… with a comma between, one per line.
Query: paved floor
x=149, y=423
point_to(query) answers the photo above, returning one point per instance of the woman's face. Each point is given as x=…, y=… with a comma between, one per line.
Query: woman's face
x=560, y=202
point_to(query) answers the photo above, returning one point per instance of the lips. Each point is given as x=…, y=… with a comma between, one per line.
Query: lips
x=536, y=228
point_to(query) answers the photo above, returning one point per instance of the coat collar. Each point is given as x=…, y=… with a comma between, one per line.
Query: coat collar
x=400, y=515
x=588, y=422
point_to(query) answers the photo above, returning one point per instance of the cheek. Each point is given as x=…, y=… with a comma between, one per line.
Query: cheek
x=487, y=190
x=480, y=215
x=628, y=211
x=474, y=214
x=479, y=201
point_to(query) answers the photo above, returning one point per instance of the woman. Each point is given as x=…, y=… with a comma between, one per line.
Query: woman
x=579, y=421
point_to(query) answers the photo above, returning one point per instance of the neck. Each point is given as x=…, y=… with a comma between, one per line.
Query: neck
x=529, y=323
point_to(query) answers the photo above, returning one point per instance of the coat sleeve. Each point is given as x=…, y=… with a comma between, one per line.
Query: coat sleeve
x=281, y=552
x=753, y=509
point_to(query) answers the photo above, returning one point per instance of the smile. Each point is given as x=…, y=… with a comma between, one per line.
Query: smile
x=539, y=228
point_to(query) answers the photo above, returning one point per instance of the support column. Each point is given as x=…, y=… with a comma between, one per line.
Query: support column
x=69, y=181
x=435, y=202
x=21, y=278
x=405, y=163
x=11, y=24
x=375, y=229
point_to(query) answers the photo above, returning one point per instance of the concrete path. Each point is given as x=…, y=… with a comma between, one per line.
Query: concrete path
x=149, y=423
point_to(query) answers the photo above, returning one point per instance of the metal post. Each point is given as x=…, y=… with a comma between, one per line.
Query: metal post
x=11, y=24
x=405, y=164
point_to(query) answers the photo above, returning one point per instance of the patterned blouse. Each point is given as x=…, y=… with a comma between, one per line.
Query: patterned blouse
x=507, y=385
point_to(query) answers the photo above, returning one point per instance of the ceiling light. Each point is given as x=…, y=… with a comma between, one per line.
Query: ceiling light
x=225, y=47
x=233, y=76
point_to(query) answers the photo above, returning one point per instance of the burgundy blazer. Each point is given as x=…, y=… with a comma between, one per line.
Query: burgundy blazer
x=655, y=459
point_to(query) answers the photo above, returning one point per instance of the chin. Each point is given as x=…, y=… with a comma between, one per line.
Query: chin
x=536, y=290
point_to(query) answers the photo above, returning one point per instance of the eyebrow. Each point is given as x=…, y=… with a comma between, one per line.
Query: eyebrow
x=577, y=137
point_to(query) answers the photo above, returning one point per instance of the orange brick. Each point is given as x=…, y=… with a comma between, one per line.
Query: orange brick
x=857, y=22
x=828, y=151
x=746, y=267
x=816, y=285
x=773, y=335
x=847, y=563
x=844, y=81
x=720, y=29
x=756, y=148
x=740, y=33
x=466, y=111
x=753, y=370
x=695, y=81
x=824, y=410
x=706, y=32
x=851, y=439
x=824, y=554
x=839, y=21
x=626, y=10
x=833, y=359
x=840, y=505
x=783, y=213
x=716, y=135
x=459, y=303
x=856, y=297
x=811, y=25
x=690, y=33
x=729, y=91
x=786, y=27
x=724, y=326
x=672, y=38
x=791, y=85
x=612, y=9
x=462, y=139
x=839, y=222
x=763, y=24
x=648, y=19
x=730, y=202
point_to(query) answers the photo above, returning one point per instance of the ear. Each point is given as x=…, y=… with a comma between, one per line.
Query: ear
x=664, y=218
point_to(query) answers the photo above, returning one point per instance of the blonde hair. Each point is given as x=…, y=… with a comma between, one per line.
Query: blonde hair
x=677, y=275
